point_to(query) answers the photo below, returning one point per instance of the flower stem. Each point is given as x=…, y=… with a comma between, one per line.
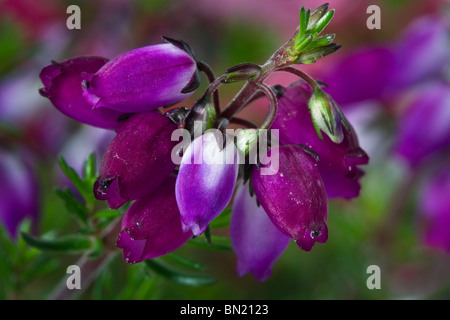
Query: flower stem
x=206, y=69
x=273, y=105
x=313, y=83
x=90, y=268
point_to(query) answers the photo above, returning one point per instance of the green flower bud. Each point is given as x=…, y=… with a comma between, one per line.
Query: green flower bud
x=326, y=115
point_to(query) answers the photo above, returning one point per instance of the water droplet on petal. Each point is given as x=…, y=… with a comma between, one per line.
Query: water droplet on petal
x=85, y=84
x=315, y=233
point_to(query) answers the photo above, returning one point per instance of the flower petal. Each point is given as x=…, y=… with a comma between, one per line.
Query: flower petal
x=256, y=241
x=63, y=86
x=294, y=198
x=139, y=158
x=204, y=189
x=142, y=79
x=152, y=225
x=339, y=162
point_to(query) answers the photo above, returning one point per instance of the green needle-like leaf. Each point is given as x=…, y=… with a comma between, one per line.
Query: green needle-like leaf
x=184, y=262
x=304, y=20
x=83, y=187
x=216, y=244
x=74, y=207
x=321, y=41
x=322, y=23
x=317, y=14
x=89, y=169
x=192, y=280
x=68, y=244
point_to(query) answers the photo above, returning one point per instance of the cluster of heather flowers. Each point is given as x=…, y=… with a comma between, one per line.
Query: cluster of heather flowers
x=318, y=155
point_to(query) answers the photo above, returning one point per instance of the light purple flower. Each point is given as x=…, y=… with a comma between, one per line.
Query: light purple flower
x=339, y=162
x=19, y=196
x=256, y=241
x=424, y=128
x=152, y=226
x=62, y=85
x=141, y=80
x=423, y=52
x=294, y=198
x=435, y=209
x=206, y=180
x=137, y=160
x=362, y=75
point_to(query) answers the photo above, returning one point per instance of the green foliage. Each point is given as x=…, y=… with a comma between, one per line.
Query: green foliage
x=192, y=280
x=307, y=47
x=70, y=244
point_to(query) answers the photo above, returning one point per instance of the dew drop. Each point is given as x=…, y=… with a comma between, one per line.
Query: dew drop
x=85, y=84
x=105, y=185
x=315, y=233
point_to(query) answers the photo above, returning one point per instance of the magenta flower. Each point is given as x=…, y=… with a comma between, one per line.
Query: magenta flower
x=256, y=240
x=339, y=162
x=137, y=160
x=142, y=79
x=206, y=181
x=152, y=226
x=62, y=86
x=362, y=75
x=424, y=129
x=294, y=198
x=435, y=208
x=19, y=198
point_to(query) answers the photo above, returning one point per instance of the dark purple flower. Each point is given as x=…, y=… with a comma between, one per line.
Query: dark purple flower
x=19, y=193
x=435, y=208
x=152, y=225
x=137, y=160
x=205, y=181
x=62, y=85
x=339, y=162
x=424, y=129
x=141, y=80
x=294, y=197
x=256, y=241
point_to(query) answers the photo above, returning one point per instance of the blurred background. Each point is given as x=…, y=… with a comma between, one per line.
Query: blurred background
x=392, y=83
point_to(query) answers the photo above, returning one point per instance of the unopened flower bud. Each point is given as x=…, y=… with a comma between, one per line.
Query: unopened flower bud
x=294, y=197
x=137, y=160
x=142, y=79
x=63, y=87
x=325, y=115
x=206, y=180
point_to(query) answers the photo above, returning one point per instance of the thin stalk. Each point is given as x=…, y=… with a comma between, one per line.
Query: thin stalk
x=206, y=69
x=273, y=105
x=313, y=83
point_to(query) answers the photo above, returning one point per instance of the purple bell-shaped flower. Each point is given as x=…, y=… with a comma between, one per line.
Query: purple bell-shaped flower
x=62, y=83
x=339, y=162
x=152, y=226
x=206, y=180
x=137, y=160
x=256, y=240
x=294, y=197
x=142, y=79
